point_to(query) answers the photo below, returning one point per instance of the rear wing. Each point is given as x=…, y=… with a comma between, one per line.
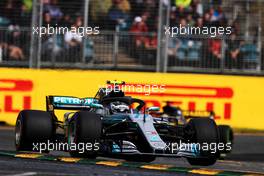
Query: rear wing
x=71, y=103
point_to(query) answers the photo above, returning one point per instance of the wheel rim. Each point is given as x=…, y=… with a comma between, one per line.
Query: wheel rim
x=18, y=132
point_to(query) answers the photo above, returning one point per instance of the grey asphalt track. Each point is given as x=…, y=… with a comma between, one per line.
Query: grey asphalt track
x=247, y=155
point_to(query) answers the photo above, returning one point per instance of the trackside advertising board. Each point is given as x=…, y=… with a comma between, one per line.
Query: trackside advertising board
x=236, y=100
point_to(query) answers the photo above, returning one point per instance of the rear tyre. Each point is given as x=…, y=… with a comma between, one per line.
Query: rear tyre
x=33, y=127
x=226, y=137
x=85, y=130
x=205, y=132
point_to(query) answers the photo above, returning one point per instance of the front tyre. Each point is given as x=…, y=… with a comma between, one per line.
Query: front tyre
x=204, y=132
x=226, y=137
x=33, y=127
x=85, y=130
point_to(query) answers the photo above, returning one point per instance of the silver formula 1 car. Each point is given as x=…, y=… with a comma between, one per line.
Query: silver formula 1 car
x=115, y=125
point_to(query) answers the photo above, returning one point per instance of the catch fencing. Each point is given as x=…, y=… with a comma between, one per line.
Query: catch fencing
x=130, y=36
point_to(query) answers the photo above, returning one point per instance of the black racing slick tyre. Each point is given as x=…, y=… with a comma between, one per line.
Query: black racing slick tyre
x=226, y=137
x=32, y=128
x=85, y=131
x=205, y=132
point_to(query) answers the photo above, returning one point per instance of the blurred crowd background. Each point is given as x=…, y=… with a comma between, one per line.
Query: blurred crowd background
x=132, y=35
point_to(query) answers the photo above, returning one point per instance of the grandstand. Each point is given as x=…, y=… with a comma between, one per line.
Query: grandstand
x=132, y=35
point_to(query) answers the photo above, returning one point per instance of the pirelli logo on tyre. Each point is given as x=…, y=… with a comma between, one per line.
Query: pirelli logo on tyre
x=188, y=97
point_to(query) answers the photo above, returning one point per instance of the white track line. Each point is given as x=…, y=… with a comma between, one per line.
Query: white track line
x=25, y=174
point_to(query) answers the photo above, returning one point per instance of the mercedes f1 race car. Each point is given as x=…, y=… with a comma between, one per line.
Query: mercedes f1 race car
x=112, y=124
x=179, y=116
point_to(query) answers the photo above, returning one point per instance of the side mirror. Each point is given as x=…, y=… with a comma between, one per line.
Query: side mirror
x=153, y=109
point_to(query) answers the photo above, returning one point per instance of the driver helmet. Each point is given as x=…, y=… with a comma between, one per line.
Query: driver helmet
x=119, y=107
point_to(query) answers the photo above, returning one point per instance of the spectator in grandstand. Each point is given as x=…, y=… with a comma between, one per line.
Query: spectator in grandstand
x=145, y=16
x=26, y=9
x=173, y=46
x=190, y=12
x=14, y=45
x=197, y=7
x=235, y=27
x=173, y=16
x=116, y=17
x=11, y=52
x=99, y=11
x=11, y=49
x=199, y=22
x=215, y=53
x=66, y=21
x=213, y=14
x=183, y=22
x=150, y=20
x=180, y=13
x=48, y=42
x=217, y=17
x=180, y=46
x=183, y=3
x=139, y=27
x=79, y=20
x=73, y=42
x=207, y=19
x=74, y=38
x=27, y=5
x=14, y=36
x=221, y=16
x=53, y=9
x=47, y=20
x=15, y=53
x=123, y=5
x=3, y=49
x=233, y=58
x=12, y=11
x=151, y=6
x=1, y=52
x=148, y=55
x=137, y=7
x=151, y=42
x=190, y=20
x=182, y=42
